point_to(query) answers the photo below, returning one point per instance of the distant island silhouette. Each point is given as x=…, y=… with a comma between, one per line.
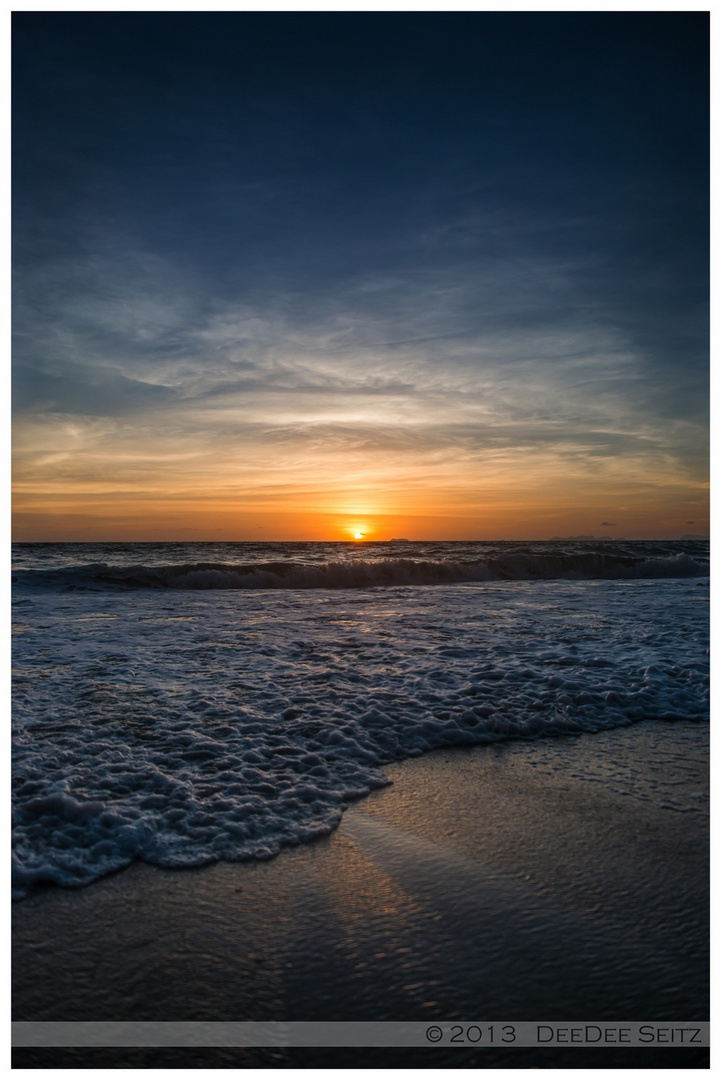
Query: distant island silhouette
x=588, y=538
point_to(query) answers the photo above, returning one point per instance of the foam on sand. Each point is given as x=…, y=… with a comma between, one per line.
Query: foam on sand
x=226, y=725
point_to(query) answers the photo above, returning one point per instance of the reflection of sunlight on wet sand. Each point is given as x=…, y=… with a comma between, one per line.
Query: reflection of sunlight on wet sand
x=381, y=923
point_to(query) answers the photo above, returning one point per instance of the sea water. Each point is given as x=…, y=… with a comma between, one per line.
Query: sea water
x=185, y=703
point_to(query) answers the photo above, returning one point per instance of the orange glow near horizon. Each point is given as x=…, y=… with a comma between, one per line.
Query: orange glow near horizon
x=168, y=522
x=85, y=482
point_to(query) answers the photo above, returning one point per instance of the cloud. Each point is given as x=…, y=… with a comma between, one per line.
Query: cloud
x=72, y=394
x=496, y=365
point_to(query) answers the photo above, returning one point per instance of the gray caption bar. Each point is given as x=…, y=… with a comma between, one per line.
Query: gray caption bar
x=383, y=1033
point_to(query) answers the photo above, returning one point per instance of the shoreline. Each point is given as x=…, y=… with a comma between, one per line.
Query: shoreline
x=563, y=879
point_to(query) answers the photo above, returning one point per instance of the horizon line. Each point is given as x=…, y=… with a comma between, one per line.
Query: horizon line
x=392, y=540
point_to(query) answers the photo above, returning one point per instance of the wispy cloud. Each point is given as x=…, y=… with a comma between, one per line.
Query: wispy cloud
x=509, y=358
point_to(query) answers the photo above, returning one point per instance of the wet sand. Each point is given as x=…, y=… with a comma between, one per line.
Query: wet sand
x=564, y=880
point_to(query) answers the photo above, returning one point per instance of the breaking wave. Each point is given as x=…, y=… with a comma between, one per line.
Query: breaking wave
x=361, y=573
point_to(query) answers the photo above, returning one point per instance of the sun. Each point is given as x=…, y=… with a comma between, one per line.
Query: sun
x=358, y=536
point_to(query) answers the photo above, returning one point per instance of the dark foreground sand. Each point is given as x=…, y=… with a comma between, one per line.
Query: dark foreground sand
x=557, y=881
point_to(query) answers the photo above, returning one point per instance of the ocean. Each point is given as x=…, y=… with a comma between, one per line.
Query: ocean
x=185, y=703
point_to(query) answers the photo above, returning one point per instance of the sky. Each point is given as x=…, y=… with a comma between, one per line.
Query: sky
x=430, y=275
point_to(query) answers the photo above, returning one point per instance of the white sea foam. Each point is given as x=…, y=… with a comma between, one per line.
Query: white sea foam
x=187, y=726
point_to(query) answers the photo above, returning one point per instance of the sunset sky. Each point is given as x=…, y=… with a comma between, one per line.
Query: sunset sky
x=291, y=276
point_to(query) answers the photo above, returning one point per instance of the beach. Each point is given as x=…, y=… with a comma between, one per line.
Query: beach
x=427, y=782
x=560, y=880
